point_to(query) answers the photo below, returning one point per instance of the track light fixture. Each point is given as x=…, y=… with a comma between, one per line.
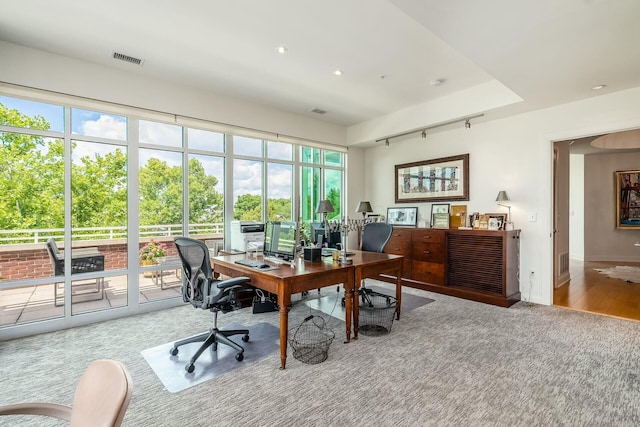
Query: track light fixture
x=466, y=120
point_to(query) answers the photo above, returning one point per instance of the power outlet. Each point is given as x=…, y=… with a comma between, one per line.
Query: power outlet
x=532, y=274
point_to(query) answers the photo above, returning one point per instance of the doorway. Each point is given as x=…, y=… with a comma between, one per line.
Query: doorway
x=578, y=232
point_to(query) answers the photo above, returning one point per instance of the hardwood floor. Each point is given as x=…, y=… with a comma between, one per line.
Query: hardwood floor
x=591, y=291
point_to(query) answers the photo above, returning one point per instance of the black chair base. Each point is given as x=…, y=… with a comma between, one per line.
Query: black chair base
x=212, y=339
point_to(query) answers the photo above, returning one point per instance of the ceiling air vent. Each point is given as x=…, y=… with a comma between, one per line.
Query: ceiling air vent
x=318, y=111
x=127, y=58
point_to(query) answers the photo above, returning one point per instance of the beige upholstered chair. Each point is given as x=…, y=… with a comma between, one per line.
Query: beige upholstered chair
x=101, y=398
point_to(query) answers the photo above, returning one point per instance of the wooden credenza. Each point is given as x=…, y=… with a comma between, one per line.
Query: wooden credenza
x=479, y=265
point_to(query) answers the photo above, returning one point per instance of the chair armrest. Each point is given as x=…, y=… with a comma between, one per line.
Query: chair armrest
x=234, y=281
x=62, y=412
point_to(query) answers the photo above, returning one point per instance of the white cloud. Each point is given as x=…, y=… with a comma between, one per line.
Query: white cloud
x=106, y=127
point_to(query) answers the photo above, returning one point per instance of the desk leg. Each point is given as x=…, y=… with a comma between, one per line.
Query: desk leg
x=284, y=300
x=348, y=307
x=356, y=302
x=398, y=291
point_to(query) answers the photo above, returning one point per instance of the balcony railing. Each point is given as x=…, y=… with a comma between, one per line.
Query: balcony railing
x=40, y=235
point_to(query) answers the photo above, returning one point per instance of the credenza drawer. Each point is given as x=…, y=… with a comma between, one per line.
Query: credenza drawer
x=427, y=235
x=427, y=272
x=398, y=247
x=430, y=252
x=400, y=234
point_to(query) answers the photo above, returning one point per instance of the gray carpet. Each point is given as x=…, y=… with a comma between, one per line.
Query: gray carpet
x=331, y=304
x=448, y=363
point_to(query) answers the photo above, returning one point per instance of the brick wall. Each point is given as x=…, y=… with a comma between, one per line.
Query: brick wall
x=35, y=263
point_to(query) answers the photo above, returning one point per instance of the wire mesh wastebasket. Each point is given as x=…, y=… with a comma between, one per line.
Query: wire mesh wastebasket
x=376, y=312
x=311, y=340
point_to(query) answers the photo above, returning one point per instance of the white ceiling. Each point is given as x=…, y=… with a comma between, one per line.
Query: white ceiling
x=547, y=52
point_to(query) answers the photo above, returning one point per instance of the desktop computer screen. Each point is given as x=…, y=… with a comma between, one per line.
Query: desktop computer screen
x=280, y=238
x=318, y=236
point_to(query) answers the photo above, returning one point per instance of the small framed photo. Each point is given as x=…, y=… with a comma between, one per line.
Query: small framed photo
x=439, y=208
x=440, y=220
x=483, y=222
x=407, y=217
x=497, y=221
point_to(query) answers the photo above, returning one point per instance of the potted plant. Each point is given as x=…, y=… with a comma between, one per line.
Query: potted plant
x=150, y=252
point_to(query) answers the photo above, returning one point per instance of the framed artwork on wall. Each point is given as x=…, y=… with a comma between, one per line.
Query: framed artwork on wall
x=446, y=178
x=628, y=199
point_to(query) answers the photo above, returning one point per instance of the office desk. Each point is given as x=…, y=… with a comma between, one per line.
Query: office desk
x=288, y=280
x=371, y=265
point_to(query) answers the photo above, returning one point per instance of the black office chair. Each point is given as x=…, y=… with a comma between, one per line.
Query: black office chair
x=375, y=236
x=201, y=290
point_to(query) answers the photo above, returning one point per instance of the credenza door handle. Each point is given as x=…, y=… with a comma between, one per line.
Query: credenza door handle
x=427, y=252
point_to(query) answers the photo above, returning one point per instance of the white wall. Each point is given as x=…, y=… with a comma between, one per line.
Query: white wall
x=513, y=154
x=576, y=207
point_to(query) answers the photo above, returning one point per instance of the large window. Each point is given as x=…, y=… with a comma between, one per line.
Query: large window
x=108, y=192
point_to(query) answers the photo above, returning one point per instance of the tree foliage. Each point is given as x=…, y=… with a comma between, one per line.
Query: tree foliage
x=31, y=175
x=32, y=185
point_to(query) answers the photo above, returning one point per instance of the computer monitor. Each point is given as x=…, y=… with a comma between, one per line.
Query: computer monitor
x=318, y=236
x=280, y=238
x=317, y=232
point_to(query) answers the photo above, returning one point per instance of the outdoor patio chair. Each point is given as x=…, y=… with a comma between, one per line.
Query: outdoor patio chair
x=82, y=261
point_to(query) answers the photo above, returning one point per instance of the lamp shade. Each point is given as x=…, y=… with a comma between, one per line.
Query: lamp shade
x=503, y=197
x=364, y=207
x=325, y=206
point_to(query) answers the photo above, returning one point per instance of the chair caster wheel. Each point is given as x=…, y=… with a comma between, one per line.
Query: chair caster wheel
x=190, y=368
x=173, y=351
x=245, y=338
x=240, y=357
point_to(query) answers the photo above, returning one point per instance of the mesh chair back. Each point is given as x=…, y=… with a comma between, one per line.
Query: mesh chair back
x=375, y=236
x=197, y=270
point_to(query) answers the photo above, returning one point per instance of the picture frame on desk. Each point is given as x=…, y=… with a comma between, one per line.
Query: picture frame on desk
x=406, y=217
x=445, y=178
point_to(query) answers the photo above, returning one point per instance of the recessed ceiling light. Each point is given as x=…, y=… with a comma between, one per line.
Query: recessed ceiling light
x=598, y=87
x=337, y=72
x=281, y=49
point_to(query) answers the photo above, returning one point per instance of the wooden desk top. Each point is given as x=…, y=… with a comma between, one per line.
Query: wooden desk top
x=301, y=267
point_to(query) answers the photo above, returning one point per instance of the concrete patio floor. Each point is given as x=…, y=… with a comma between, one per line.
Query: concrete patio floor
x=32, y=303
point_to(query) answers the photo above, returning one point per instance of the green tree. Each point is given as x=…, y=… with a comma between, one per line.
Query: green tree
x=279, y=210
x=248, y=207
x=206, y=205
x=32, y=184
x=31, y=175
x=161, y=194
x=334, y=198
x=99, y=190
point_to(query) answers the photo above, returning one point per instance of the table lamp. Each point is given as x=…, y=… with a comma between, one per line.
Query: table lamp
x=364, y=207
x=504, y=197
x=324, y=207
